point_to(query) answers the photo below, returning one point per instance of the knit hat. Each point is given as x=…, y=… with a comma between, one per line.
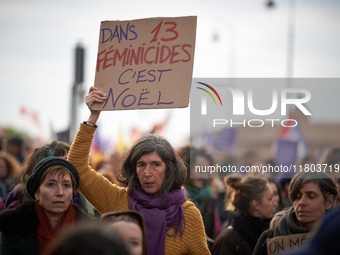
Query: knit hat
x=40, y=168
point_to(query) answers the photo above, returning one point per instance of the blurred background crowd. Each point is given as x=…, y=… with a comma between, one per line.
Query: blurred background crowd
x=43, y=45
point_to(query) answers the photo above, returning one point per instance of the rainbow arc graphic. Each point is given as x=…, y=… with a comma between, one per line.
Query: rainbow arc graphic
x=209, y=93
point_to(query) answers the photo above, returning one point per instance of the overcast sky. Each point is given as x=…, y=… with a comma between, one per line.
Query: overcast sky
x=239, y=38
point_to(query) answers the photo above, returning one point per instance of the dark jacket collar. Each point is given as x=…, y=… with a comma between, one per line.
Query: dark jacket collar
x=23, y=218
x=250, y=227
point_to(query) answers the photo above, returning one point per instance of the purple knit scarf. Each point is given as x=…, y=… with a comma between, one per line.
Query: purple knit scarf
x=159, y=214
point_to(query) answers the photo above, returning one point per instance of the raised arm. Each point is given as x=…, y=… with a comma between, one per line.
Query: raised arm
x=101, y=193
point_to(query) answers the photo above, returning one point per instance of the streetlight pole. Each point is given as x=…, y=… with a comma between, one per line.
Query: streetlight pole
x=290, y=42
x=290, y=38
x=77, y=91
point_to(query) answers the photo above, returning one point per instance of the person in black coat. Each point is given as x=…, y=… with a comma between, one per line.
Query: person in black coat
x=253, y=207
x=324, y=237
x=31, y=226
x=312, y=195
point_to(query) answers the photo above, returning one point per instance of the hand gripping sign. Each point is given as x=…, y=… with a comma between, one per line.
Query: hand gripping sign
x=145, y=63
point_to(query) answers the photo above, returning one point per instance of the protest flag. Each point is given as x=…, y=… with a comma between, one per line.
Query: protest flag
x=290, y=146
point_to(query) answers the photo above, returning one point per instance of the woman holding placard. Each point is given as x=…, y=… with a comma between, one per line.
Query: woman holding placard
x=153, y=174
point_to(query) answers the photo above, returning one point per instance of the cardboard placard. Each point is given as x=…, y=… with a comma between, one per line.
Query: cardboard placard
x=280, y=244
x=146, y=63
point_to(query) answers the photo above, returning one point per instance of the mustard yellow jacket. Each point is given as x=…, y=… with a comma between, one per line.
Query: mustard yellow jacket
x=107, y=197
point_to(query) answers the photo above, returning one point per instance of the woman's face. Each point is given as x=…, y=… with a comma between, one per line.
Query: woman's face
x=276, y=197
x=197, y=176
x=55, y=194
x=151, y=173
x=132, y=235
x=310, y=205
x=266, y=208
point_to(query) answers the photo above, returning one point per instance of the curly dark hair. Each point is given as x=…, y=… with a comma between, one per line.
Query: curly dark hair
x=54, y=148
x=175, y=172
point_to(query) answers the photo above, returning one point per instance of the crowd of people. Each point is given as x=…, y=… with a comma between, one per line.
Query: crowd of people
x=150, y=201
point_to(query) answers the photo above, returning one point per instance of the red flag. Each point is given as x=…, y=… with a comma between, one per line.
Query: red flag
x=30, y=113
